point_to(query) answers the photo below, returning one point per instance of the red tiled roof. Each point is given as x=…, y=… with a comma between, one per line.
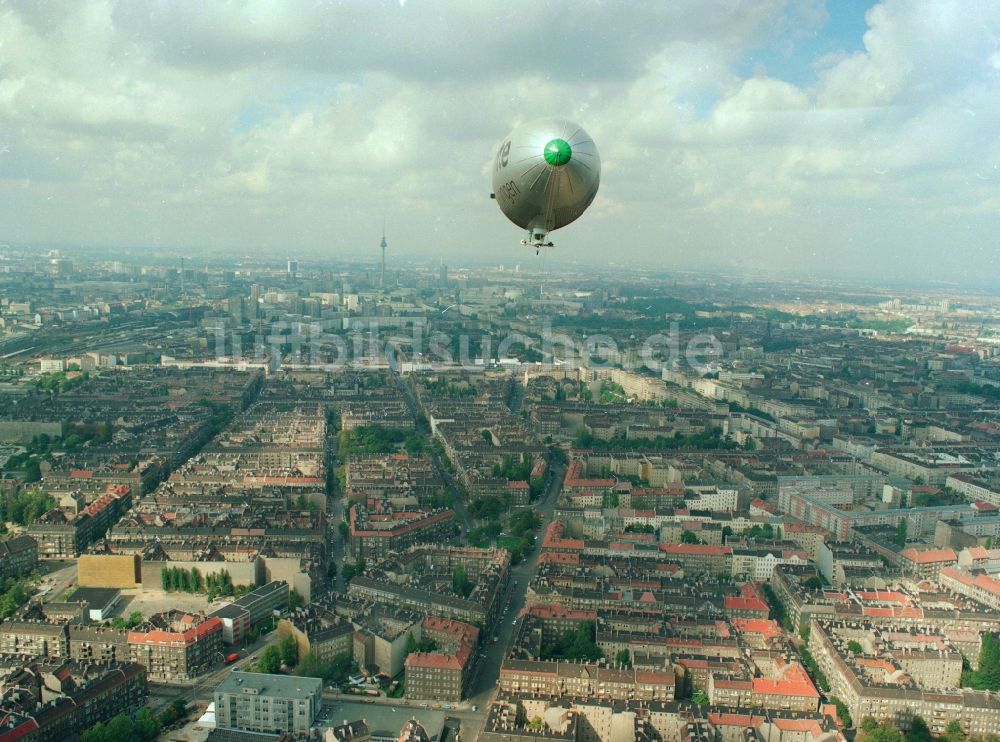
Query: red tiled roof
x=794, y=682
x=765, y=627
x=983, y=582
x=573, y=478
x=21, y=731
x=553, y=538
x=884, y=596
x=735, y=720
x=177, y=638
x=799, y=725
x=931, y=556
x=733, y=603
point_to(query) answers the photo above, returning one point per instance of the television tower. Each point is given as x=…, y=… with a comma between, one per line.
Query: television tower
x=383, y=245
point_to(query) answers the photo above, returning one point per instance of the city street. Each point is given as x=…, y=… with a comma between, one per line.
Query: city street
x=484, y=684
x=162, y=695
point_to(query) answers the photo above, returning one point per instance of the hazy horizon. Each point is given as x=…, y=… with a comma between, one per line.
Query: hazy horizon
x=795, y=138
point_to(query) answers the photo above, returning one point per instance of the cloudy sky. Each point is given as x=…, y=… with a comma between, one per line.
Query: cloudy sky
x=790, y=135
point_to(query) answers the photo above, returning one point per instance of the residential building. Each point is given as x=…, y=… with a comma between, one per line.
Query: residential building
x=442, y=674
x=18, y=556
x=175, y=647
x=260, y=702
x=55, y=700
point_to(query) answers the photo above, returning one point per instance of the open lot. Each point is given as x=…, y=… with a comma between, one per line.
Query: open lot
x=157, y=601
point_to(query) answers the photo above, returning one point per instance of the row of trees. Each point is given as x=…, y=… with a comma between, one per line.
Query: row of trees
x=181, y=580
x=143, y=728
x=813, y=667
x=178, y=579
x=219, y=583
x=522, y=528
x=780, y=614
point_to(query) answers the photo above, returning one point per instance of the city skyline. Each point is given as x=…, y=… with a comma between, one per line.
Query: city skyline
x=785, y=137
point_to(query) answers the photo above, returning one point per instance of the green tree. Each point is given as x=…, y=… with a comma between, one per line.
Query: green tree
x=575, y=644
x=335, y=671
x=310, y=666
x=953, y=732
x=872, y=731
x=900, y=538
x=147, y=726
x=295, y=600
x=987, y=677
x=289, y=650
x=918, y=731
x=765, y=531
x=624, y=658
x=97, y=733
x=175, y=711
x=700, y=698
x=270, y=660
x=689, y=537
x=120, y=728
x=165, y=581
x=855, y=647
x=843, y=713
x=460, y=582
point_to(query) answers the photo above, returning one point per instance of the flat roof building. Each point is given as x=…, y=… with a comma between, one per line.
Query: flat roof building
x=260, y=702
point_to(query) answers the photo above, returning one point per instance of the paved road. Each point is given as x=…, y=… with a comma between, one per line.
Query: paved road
x=334, y=516
x=60, y=575
x=484, y=683
x=465, y=520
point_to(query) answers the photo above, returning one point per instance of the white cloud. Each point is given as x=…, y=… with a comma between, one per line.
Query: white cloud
x=294, y=126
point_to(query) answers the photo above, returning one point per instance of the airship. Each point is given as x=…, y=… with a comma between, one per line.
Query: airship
x=545, y=174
